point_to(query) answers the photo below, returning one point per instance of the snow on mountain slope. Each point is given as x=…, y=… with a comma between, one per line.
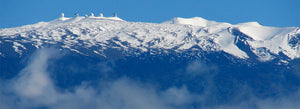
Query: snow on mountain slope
x=273, y=38
x=196, y=21
x=259, y=32
x=178, y=34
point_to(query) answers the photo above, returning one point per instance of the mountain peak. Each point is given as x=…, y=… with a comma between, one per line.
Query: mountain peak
x=195, y=21
x=249, y=24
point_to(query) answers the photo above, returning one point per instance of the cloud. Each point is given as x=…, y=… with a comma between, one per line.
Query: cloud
x=199, y=68
x=179, y=96
x=33, y=84
x=127, y=94
x=34, y=80
x=284, y=102
x=34, y=88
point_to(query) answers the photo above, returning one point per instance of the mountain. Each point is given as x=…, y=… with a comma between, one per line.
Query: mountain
x=245, y=40
x=182, y=63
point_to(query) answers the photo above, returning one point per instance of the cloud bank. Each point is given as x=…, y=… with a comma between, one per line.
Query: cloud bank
x=34, y=88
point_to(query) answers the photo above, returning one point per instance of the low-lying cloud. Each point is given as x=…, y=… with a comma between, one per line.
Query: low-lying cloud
x=34, y=88
x=199, y=68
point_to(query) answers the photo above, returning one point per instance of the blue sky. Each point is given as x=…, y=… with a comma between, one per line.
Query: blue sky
x=280, y=13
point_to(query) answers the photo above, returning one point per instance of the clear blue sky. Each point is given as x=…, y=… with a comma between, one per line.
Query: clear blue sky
x=280, y=13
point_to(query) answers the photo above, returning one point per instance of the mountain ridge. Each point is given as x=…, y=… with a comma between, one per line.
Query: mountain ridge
x=177, y=34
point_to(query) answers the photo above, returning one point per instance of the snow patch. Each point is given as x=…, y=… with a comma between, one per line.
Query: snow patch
x=263, y=33
x=196, y=21
x=226, y=43
x=17, y=46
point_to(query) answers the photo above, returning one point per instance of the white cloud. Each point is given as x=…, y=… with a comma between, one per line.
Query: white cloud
x=179, y=96
x=33, y=88
x=198, y=68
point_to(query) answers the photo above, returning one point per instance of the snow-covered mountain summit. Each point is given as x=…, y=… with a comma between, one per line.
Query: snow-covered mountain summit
x=93, y=35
